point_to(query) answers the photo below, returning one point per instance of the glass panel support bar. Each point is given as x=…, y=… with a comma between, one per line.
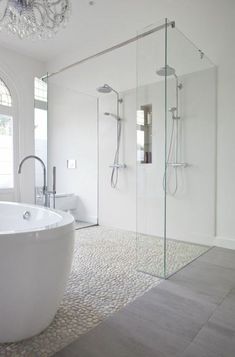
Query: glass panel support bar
x=165, y=168
x=110, y=49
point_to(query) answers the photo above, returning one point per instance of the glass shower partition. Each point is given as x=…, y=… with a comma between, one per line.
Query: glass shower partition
x=191, y=152
x=173, y=114
x=75, y=106
x=151, y=132
x=72, y=147
x=176, y=146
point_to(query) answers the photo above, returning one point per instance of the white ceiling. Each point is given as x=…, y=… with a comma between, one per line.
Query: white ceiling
x=208, y=23
x=92, y=28
x=132, y=65
x=106, y=22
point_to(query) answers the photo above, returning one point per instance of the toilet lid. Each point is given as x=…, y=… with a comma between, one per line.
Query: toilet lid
x=64, y=195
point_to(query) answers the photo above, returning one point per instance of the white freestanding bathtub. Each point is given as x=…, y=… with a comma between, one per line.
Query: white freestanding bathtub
x=36, y=250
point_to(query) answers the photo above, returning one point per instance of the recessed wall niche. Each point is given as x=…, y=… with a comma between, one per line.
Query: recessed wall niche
x=144, y=134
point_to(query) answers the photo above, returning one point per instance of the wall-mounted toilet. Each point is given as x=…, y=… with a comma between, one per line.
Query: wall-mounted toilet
x=66, y=202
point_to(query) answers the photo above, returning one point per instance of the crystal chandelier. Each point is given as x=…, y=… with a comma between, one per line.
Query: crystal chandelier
x=37, y=19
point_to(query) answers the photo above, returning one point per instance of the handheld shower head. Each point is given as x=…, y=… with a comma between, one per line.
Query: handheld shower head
x=112, y=115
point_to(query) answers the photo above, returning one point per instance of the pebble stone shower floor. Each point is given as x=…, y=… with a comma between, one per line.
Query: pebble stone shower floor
x=103, y=280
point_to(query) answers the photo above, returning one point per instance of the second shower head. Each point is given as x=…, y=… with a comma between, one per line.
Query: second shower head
x=166, y=71
x=104, y=89
x=108, y=89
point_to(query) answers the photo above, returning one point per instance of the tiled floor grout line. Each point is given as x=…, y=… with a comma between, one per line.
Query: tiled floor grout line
x=201, y=329
x=216, y=265
x=213, y=312
x=192, y=341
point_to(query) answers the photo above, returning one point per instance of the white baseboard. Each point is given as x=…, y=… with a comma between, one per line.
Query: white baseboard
x=194, y=239
x=86, y=218
x=224, y=242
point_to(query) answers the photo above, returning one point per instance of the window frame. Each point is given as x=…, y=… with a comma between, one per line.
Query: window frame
x=12, y=112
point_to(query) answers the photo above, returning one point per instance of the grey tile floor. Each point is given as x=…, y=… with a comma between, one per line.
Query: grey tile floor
x=190, y=315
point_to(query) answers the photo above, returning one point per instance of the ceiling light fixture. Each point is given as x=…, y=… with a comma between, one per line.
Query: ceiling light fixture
x=37, y=19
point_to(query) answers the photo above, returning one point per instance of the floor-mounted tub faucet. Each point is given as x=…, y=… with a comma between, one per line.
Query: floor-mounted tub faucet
x=45, y=191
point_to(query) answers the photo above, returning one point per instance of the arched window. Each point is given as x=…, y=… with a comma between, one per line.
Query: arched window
x=5, y=95
x=6, y=138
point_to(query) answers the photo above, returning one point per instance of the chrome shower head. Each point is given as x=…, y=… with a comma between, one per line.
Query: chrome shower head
x=104, y=89
x=166, y=71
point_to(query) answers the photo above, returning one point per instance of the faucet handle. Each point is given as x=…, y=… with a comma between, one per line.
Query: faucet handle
x=54, y=180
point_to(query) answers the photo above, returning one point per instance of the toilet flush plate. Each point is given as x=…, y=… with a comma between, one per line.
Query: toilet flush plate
x=71, y=164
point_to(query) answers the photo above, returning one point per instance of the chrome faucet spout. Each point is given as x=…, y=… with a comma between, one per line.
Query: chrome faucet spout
x=43, y=166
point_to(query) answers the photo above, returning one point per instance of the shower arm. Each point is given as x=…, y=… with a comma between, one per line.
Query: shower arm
x=113, y=90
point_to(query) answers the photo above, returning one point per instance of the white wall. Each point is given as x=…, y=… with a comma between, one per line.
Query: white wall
x=19, y=71
x=72, y=134
x=226, y=149
x=190, y=213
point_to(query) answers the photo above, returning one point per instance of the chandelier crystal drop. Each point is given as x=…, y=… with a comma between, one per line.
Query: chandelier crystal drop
x=36, y=19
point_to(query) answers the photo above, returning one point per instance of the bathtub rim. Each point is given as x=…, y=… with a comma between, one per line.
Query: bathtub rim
x=64, y=224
